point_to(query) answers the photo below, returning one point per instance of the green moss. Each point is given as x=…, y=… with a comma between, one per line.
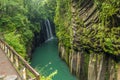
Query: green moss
x=63, y=21
x=102, y=37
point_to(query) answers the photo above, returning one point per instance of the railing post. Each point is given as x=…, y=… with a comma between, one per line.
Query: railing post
x=16, y=62
x=5, y=49
x=37, y=77
x=24, y=73
x=2, y=46
x=8, y=54
x=11, y=57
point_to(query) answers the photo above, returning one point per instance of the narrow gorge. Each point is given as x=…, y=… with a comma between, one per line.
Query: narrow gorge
x=45, y=57
x=65, y=39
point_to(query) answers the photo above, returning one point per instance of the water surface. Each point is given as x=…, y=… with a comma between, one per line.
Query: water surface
x=46, y=59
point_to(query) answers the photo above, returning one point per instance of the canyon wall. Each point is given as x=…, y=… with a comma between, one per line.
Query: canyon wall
x=88, y=65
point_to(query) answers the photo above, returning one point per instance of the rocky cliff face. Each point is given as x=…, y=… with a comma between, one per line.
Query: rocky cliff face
x=91, y=66
x=84, y=64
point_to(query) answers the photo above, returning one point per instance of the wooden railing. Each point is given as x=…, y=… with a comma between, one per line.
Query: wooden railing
x=25, y=71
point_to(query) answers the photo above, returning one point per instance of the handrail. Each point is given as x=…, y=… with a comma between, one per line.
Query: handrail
x=25, y=71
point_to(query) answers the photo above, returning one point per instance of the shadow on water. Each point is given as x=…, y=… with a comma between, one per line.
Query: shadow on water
x=46, y=58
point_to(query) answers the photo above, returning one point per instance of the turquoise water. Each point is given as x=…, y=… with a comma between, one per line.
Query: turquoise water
x=46, y=59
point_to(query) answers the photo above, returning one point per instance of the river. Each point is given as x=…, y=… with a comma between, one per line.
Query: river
x=46, y=59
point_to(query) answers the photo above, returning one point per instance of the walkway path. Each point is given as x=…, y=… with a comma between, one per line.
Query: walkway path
x=6, y=67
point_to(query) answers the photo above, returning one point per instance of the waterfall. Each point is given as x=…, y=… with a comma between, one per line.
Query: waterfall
x=48, y=30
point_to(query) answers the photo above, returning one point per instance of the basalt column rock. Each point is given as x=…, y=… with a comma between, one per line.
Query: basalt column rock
x=111, y=69
x=97, y=67
x=84, y=64
x=62, y=51
x=78, y=63
x=118, y=71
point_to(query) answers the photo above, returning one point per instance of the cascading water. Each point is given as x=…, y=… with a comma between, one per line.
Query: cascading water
x=48, y=30
x=46, y=57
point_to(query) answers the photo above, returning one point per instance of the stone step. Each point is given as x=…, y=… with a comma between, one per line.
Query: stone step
x=11, y=77
x=2, y=77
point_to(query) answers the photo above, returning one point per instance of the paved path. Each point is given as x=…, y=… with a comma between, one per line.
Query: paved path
x=6, y=67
